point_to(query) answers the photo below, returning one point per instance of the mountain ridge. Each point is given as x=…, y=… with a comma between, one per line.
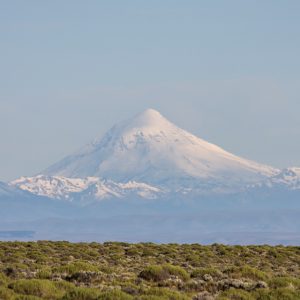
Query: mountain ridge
x=69, y=189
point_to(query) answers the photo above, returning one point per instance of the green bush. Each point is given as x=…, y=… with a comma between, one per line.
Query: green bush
x=199, y=273
x=154, y=273
x=235, y=294
x=164, y=293
x=35, y=287
x=160, y=273
x=26, y=297
x=79, y=266
x=247, y=272
x=6, y=294
x=152, y=297
x=3, y=279
x=177, y=271
x=81, y=294
x=64, y=285
x=253, y=273
x=284, y=282
x=44, y=273
x=114, y=295
x=278, y=294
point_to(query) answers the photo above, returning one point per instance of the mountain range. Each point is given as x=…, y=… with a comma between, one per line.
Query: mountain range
x=150, y=170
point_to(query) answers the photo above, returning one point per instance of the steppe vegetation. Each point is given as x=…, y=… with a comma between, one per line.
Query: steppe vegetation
x=146, y=271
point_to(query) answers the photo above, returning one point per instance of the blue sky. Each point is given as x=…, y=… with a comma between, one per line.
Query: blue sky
x=228, y=71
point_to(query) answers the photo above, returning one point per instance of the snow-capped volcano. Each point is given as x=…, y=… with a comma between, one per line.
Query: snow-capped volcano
x=150, y=149
x=148, y=176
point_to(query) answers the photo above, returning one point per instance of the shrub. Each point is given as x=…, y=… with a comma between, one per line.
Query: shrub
x=199, y=273
x=278, y=294
x=235, y=294
x=284, y=282
x=247, y=272
x=26, y=297
x=3, y=279
x=177, y=271
x=44, y=273
x=163, y=294
x=154, y=273
x=6, y=294
x=114, y=295
x=79, y=266
x=152, y=297
x=35, y=287
x=81, y=294
x=64, y=285
x=252, y=273
x=160, y=273
x=132, y=252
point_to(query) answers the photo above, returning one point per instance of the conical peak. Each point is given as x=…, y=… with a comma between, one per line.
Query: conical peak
x=149, y=115
x=150, y=112
x=148, y=118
